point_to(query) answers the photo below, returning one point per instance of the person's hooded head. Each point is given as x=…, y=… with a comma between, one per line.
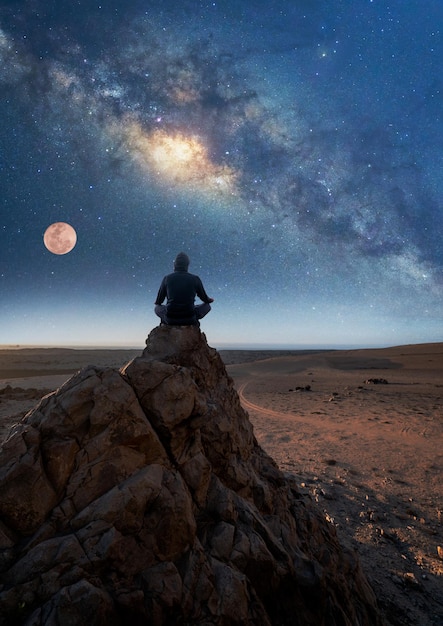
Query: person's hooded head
x=181, y=262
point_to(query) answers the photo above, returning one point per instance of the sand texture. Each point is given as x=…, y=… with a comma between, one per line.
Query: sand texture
x=362, y=430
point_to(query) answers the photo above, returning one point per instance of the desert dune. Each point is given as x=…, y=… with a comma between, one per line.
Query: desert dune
x=362, y=430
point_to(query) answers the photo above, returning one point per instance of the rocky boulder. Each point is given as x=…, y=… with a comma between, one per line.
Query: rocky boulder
x=141, y=496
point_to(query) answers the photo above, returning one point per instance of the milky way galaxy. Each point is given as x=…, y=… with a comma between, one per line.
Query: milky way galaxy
x=292, y=149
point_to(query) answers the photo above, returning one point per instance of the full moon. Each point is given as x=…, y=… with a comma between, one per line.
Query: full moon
x=60, y=238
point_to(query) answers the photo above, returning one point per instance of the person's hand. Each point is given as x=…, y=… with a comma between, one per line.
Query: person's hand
x=211, y=300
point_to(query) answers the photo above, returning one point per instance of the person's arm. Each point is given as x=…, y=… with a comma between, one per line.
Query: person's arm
x=200, y=291
x=161, y=293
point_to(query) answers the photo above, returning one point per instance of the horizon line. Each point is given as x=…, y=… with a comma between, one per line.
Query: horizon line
x=253, y=346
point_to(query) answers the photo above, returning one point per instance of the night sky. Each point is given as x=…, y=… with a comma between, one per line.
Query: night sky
x=292, y=149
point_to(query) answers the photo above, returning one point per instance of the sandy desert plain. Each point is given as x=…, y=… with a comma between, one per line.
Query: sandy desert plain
x=362, y=430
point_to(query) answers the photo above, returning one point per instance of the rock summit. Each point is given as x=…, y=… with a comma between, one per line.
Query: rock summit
x=142, y=497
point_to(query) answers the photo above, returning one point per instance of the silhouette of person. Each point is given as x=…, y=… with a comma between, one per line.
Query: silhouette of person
x=180, y=289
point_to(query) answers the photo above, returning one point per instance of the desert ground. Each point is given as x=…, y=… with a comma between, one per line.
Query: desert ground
x=362, y=430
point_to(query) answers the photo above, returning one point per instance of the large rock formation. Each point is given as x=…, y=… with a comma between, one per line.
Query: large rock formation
x=142, y=497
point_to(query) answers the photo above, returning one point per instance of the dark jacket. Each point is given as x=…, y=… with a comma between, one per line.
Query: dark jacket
x=180, y=289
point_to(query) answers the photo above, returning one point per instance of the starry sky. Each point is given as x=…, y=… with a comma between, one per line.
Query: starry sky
x=293, y=149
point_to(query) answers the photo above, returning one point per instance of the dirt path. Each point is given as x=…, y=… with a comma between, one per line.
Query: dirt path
x=371, y=456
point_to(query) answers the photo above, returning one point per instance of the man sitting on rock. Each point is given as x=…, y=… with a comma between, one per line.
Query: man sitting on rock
x=180, y=289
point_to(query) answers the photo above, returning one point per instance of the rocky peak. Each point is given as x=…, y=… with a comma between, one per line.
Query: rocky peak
x=142, y=496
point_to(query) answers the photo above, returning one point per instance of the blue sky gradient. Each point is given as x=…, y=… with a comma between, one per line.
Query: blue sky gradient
x=292, y=149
